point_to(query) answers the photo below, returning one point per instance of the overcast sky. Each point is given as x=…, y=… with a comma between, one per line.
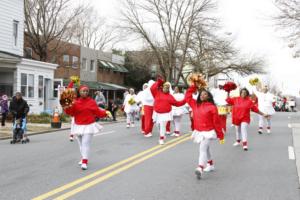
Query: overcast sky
x=251, y=27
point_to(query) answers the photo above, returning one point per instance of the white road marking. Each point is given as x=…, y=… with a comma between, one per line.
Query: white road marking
x=291, y=153
x=104, y=133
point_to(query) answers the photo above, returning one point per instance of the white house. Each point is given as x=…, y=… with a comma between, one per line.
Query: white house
x=33, y=79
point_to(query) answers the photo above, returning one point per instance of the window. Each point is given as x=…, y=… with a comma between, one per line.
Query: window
x=56, y=84
x=41, y=86
x=28, y=52
x=15, y=32
x=66, y=60
x=30, y=85
x=84, y=63
x=75, y=62
x=24, y=84
x=92, y=66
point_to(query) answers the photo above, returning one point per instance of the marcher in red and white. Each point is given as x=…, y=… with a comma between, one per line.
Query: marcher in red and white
x=163, y=102
x=207, y=126
x=241, y=108
x=85, y=110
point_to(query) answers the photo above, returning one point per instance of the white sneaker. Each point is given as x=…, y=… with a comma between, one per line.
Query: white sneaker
x=199, y=172
x=245, y=148
x=132, y=125
x=260, y=131
x=148, y=135
x=268, y=130
x=71, y=138
x=168, y=133
x=80, y=162
x=127, y=126
x=209, y=168
x=84, y=166
x=161, y=142
x=236, y=144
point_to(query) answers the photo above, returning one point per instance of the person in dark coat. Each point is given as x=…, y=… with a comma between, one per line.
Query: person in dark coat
x=19, y=108
x=4, y=109
x=112, y=107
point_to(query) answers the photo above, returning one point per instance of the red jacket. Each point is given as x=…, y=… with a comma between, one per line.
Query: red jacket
x=85, y=111
x=241, y=108
x=205, y=115
x=163, y=102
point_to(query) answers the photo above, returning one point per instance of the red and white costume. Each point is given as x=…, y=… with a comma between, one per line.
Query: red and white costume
x=147, y=102
x=241, y=108
x=207, y=126
x=163, y=103
x=85, y=111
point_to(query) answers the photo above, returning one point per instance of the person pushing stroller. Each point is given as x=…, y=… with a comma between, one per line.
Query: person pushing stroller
x=19, y=109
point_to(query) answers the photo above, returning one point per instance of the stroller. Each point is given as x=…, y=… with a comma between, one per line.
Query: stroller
x=19, y=128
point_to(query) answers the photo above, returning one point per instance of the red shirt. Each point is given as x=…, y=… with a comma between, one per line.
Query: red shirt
x=241, y=108
x=85, y=111
x=163, y=102
x=205, y=114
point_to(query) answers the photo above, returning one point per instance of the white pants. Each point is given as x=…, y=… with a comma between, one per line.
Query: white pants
x=204, y=152
x=84, y=142
x=162, y=129
x=177, y=123
x=130, y=117
x=241, y=132
x=262, y=122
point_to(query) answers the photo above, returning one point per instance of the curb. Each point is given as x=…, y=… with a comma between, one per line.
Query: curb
x=296, y=144
x=61, y=129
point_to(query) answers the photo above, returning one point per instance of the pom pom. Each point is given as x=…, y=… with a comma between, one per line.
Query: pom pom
x=229, y=86
x=198, y=80
x=75, y=80
x=131, y=101
x=254, y=81
x=67, y=97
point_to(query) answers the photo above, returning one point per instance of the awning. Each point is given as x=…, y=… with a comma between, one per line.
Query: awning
x=112, y=66
x=98, y=85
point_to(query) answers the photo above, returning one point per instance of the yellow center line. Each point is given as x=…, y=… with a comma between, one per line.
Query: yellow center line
x=116, y=171
x=104, y=170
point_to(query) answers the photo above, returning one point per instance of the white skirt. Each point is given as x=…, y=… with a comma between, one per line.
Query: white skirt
x=86, y=129
x=267, y=110
x=161, y=117
x=199, y=136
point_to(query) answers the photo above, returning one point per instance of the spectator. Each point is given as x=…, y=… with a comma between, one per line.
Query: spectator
x=100, y=99
x=19, y=108
x=112, y=107
x=3, y=109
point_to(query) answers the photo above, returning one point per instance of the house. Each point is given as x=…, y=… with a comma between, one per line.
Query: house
x=34, y=79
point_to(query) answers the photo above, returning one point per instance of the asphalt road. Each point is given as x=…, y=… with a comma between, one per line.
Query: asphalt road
x=46, y=168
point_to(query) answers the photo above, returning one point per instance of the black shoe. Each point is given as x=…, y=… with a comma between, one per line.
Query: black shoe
x=260, y=132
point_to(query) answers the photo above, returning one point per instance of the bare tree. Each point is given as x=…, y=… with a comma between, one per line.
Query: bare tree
x=288, y=20
x=166, y=26
x=90, y=30
x=212, y=55
x=46, y=22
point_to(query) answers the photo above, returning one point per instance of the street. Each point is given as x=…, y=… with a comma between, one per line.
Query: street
x=126, y=166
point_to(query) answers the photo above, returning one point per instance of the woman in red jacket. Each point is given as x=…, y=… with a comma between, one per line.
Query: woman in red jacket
x=241, y=108
x=85, y=111
x=207, y=126
x=163, y=102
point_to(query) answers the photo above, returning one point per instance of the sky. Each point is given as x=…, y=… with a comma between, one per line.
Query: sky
x=251, y=27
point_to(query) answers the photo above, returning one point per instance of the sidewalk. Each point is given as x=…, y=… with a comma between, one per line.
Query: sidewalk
x=295, y=125
x=34, y=129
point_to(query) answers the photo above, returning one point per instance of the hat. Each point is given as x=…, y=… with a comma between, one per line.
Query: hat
x=84, y=87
